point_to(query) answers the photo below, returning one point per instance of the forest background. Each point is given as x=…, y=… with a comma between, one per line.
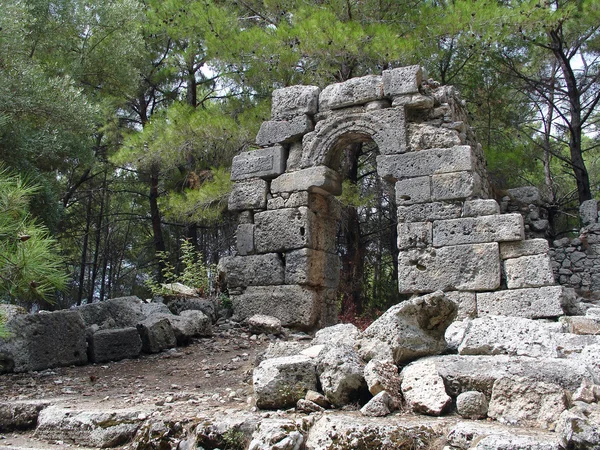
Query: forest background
x=119, y=120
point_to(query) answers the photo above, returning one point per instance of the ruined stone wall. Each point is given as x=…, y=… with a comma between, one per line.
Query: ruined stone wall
x=451, y=234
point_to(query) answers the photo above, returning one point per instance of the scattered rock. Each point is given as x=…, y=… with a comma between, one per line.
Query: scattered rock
x=383, y=376
x=472, y=405
x=20, y=415
x=341, y=375
x=379, y=406
x=307, y=406
x=340, y=334
x=318, y=398
x=575, y=431
x=423, y=389
x=259, y=323
x=277, y=434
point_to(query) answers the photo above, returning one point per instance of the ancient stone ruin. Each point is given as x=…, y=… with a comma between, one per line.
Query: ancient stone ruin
x=451, y=235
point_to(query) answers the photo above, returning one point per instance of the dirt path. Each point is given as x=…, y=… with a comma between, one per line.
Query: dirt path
x=211, y=374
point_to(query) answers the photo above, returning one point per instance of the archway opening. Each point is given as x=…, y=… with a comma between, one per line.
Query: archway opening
x=366, y=232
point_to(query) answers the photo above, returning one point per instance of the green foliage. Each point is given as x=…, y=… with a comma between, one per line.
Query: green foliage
x=193, y=272
x=3, y=332
x=31, y=267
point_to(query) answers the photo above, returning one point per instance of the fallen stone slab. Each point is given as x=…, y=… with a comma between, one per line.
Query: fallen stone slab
x=260, y=323
x=122, y=312
x=492, y=436
x=187, y=325
x=114, y=345
x=353, y=431
x=102, y=429
x=379, y=406
x=281, y=382
x=157, y=334
x=20, y=415
x=409, y=330
x=179, y=304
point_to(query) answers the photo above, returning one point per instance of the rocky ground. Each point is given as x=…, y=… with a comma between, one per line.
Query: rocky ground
x=210, y=376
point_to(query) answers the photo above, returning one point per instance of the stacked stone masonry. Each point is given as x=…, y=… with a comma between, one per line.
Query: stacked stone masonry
x=451, y=235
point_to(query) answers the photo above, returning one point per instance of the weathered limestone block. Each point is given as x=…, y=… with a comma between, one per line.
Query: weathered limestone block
x=312, y=267
x=296, y=306
x=386, y=127
x=576, y=431
x=517, y=443
x=244, y=238
x=474, y=230
x=409, y=330
x=414, y=101
x=114, y=345
x=528, y=272
x=157, y=334
x=340, y=334
x=281, y=382
x=355, y=91
x=340, y=371
x=525, y=195
x=535, y=303
x=120, y=312
x=494, y=436
x=456, y=185
x=478, y=373
x=472, y=405
x=100, y=429
x=188, y=324
x=248, y=195
x=318, y=179
x=473, y=267
x=520, y=401
x=588, y=211
x=414, y=235
x=264, y=163
x=497, y=335
x=283, y=131
x=455, y=333
x=20, y=414
x=480, y=207
x=294, y=101
x=581, y=324
x=260, y=323
x=527, y=247
x=255, y=270
x=423, y=389
x=422, y=136
x=306, y=406
x=403, y=80
x=352, y=431
x=382, y=376
x=426, y=162
x=425, y=212
x=284, y=229
x=379, y=406
x=466, y=303
x=281, y=434
x=43, y=340
x=413, y=190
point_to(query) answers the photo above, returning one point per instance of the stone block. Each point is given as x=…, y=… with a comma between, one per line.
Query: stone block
x=527, y=247
x=296, y=306
x=534, y=303
x=290, y=229
x=20, y=414
x=312, y=267
x=474, y=230
x=526, y=195
x=157, y=334
x=403, y=80
x=427, y=212
x=340, y=371
x=466, y=303
x=581, y=325
x=455, y=185
x=355, y=91
x=414, y=235
x=283, y=131
x=426, y=162
x=264, y=163
x=244, y=237
x=248, y=195
x=188, y=324
x=120, y=312
x=473, y=267
x=528, y=272
x=114, y=345
x=423, y=389
x=413, y=190
x=422, y=136
x=43, y=340
x=319, y=179
x=294, y=101
x=480, y=207
x=253, y=270
x=588, y=211
x=472, y=405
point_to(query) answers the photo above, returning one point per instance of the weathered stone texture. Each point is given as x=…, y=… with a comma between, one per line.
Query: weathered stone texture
x=462, y=267
x=314, y=179
x=429, y=212
x=256, y=270
x=533, y=303
x=413, y=190
x=283, y=131
x=312, y=267
x=294, y=101
x=263, y=163
x=526, y=247
x=472, y=405
x=474, y=230
x=414, y=235
x=528, y=271
x=157, y=334
x=480, y=207
x=244, y=238
x=114, y=345
x=285, y=229
x=248, y=195
x=423, y=389
x=425, y=162
x=423, y=136
x=403, y=80
x=456, y=185
x=355, y=91
x=466, y=303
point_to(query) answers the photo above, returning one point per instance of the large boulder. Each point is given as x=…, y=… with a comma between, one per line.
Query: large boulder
x=281, y=382
x=409, y=330
x=114, y=345
x=43, y=340
x=340, y=372
x=157, y=334
x=189, y=324
x=122, y=312
x=340, y=334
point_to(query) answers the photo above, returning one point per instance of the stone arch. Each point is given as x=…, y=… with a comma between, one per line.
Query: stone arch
x=451, y=235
